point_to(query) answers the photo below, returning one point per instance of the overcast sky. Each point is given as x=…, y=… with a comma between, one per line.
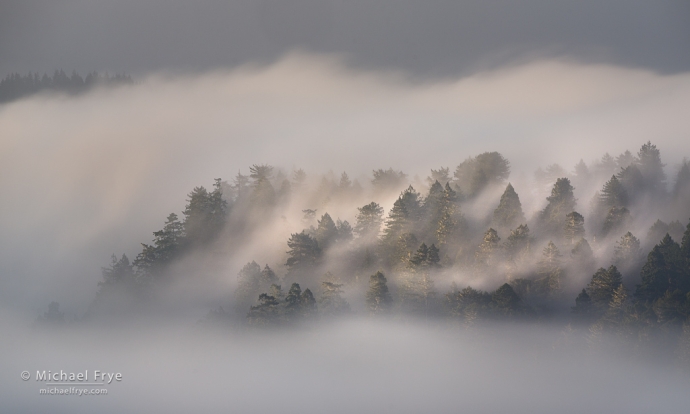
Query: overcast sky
x=425, y=38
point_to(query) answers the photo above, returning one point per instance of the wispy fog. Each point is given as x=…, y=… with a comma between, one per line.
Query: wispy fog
x=83, y=177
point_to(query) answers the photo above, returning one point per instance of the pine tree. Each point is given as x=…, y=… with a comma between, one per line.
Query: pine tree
x=617, y=219
x=632, y=181
x=657, y=232
x=326, y=233
x=487, y=250
x=602, y=287
x=582, y=256
x=293, y=303
x=517, y=245
x=663, y=271
x=205, y=214
x=304, y=255
x=378, y=298
x=509, y=213
x=583, y=309
x=344, y=231
x=613, y=194
x=369, y=221
x=266, y=312
x=441, y=175
x=574, y=227
x=474, y=174
x=167, y=243
x=263, y=194
x=331, y=302
x=388, y=180
x=627, y=250
x=308, y=307
x=681, y=188
x=550, y=268
x=652, y=169
x=561, y=202
x=505, y=302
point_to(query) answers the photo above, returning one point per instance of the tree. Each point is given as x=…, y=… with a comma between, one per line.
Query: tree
x=308, y=308
x=205, y=214
x=378, y=298
x=583, y=310
x=602, y=287
x=550, y=268
x=293, y=303
x=574, y=227
x=266, y=312
x=627, y=250
x=387, y=180
x=252, y=281
x=331, y=302
x=167, y=243
x=263, y=194
x=369, y=221
x=442, y=175
x=326, y=233
x=53, y=316
x=486, y=252
x=468, y=304
x=664, y=270
x=304, y=255
x=344, y=231
x=505, y=302
x=582, y=256
x=509, y=213
x=616, y=220
x=474, y=174
x=657, y=232
x=517, y=245
x=681, y=188
x=652, y=169
x=613, y=194
x=561, y=202
x=632, y=181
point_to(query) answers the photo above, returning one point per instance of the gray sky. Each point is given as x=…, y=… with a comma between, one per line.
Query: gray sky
x=427, y=38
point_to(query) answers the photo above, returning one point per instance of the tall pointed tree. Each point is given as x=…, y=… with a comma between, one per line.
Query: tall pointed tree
x=509, y=213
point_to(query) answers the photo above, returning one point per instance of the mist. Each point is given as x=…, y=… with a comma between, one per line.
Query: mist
x=84, y=177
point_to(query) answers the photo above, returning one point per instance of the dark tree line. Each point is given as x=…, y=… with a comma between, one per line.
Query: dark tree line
x=15, y=86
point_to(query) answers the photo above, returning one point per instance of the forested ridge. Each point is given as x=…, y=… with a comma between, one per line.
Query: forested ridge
x=615, y=264
x=15, y=86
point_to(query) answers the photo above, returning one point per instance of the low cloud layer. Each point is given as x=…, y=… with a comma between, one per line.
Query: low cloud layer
x=84, y=177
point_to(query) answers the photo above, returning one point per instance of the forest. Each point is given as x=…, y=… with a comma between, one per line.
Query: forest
x=15, y=86
x=605, y=255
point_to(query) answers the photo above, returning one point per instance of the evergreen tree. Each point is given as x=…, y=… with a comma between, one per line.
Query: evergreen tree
x=205, y=214
x=369, y=221
x=326, y=233
x=53, y=316
x=505, y=302
x=685, y=246
x=266, y=312
x=345, y=184
x=293, y=303
x=550, y=268
x=583, y=309
x=378, y=298
x=441, y=175
x=304, y=255
x=331, y=302
x=468, y=304
x=388, y=180
x=486, y=253
x=681, y=188
x=167, y=243
x=652, y=169
x=664, y=270
x=632, y=181
x=344, y=231
x=509, y=213
x=625, y=160
x=574, y=227
x=263, y=194
x=602, y=287
x=616, y=220
x=627, y=250
x=657, y=232
x=561, y=202
x=517, y=245
x=308, y=306
x=582, y=256
x=614, y=194
x=474, y=174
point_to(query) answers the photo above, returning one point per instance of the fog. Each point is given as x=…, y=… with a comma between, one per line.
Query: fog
x=93, y=175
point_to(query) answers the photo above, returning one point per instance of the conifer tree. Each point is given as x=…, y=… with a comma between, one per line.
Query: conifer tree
x=474, y=174
x=681, y=188
x=505, y=302
x=441, y=175
x=602, y=287
x=583, y=309
x=331, y=302
x=550, y=268
x=617, y=219
x=574, y=227
x=517, y=245
x=308, y=307
x=561, y=202
x=652, y=169
x=263, y=194
x=167, y=243
x=344, y=231
x=293, y=303
x=369, y=221
x=326, y=233
x=663, y=271
x=509, y=213
x=613, y=194
x=378, y=298
x=632, y=181
x=304, y=255
x=487, y=250
x=627, y=250
x=266, y=312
